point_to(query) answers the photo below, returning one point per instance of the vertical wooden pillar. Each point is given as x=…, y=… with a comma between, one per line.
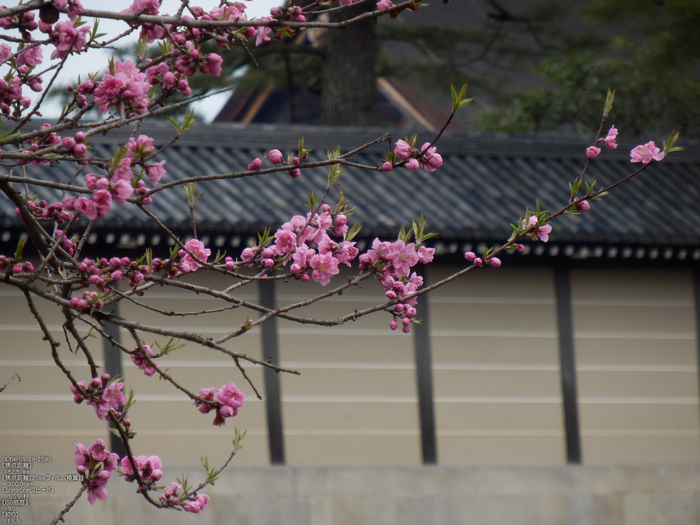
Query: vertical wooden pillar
x=113, y=366
x=696, y=282
x=273, y=391
x=424, y=379
x=567, y=363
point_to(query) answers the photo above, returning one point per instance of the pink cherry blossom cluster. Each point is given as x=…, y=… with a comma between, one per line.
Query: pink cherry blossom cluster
x=138, y=359
x=290, y=14
x=226, y=400
x=190, y=264
x=148, y=469
x=391, y=263
x=75, y=8
x=276, y=157
x=149, y=31
x=125, y=88
x=427, y=157
x=43, y=141
x=89, y=300
x=67, y=37
x=493, y=261
x=196, y=504
x=96, y=465
x=101, y=394
x=44, y=211
x=18, y=268
x=304, y=242
x=102, y=272
x=609, y=141
x=386, y=4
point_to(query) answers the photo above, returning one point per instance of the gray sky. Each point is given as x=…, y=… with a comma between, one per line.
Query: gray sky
x=96, y=60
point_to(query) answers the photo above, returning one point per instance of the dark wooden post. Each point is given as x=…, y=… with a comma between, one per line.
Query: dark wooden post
x=567, y=361
x=273, y=391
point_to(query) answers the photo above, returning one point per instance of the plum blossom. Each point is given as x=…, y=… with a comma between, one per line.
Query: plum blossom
x=325, y=266
x=67, y=38
x=196, y=505
x=96, y=464
x=592, y=152
x=231, y=400
x=188, y=263
x=609, y=140
x=403, y=150
x=148, y=469
x=124, y=86
x=138, y=359
x=646, y=153
x=263, y=32
x=541, y=232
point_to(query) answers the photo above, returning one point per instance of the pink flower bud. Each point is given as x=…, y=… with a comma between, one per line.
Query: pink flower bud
x=470, y=256
x=478, y=261
x=276, y=156
x=294, y=173
x=495, y=262
x=393, y=324
x=582, y=206
x=387, y=166
x=592, y=151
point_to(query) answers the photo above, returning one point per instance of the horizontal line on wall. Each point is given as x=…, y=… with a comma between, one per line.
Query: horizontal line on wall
x=643, y=432
x=101, y=433
x=150, y=398
x=385, y=332
x=650, y=303
x=350, y=365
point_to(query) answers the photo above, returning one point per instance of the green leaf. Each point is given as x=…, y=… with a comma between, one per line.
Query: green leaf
x=609, y=102
x=350, y=235
x=20, y=247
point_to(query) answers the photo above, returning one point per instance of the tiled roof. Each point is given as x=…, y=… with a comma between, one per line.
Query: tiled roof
x=485, y=184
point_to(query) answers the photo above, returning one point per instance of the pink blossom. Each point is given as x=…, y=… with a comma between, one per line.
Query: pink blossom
x=592, y=152
x=5, y=52
x=197, y=505
x=32, y=56
x=121, y=191
x=138, y=359
x=124, y=87
x=346, y=252
x=582, y=206
x=325, y=266
x=102, y=200
x=541, y=233
x=188, y=263
x=155, y=171
x=205, y=394
x=646, y=153
x=212, y=64
x=384, y=4
x=403, y=150
x=285, y=242
x=231, y=400
x=96, y=487
x=495, y=262
x=412, y=165
x=69, y=38
x=609, y=140
x=148, y=468
x=86, y=207
x=405, y=257
x=425, y=255
x=276, y=156
x=82, y=458
x=263, y=32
